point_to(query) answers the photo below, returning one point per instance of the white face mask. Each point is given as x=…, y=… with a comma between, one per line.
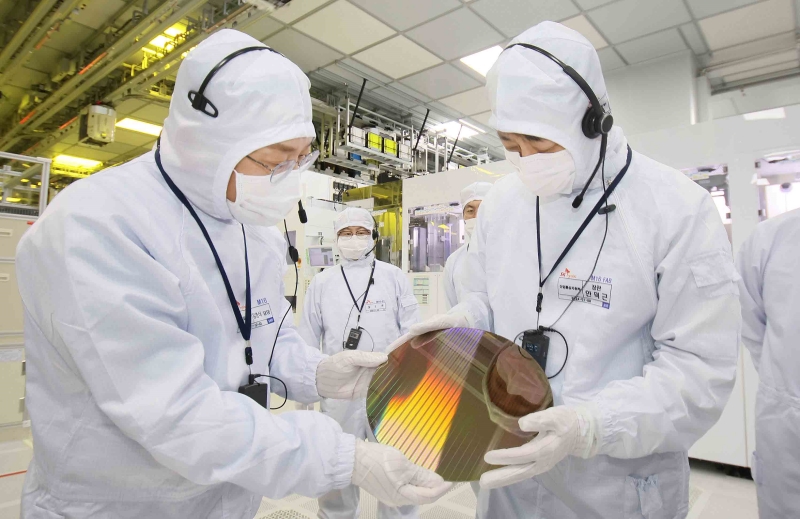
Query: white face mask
x=354, y=247
x=469, y=227
x=259, y=202
x=545, y=174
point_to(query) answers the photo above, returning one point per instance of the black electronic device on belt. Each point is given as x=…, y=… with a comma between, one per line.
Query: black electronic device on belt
x=537, y=344
x=256, y=391
x=353, y=338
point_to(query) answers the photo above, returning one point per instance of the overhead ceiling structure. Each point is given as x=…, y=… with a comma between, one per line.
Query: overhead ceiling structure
x=411, y=52
x=59, y=56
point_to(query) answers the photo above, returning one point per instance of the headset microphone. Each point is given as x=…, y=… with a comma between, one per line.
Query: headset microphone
x=579, y=199
x=293, y=254
x=301, y=213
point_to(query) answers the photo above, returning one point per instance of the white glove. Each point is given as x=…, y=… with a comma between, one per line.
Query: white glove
x=389, y=476
x=437, y=322
x=346, y=375
x=563, y=431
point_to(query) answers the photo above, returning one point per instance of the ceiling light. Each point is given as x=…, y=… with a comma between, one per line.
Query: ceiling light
x=149, y=50
x=160, y=41
x=175, y=30
x=139, y=126
x=775, y=113
x=470, y=125
x=13, y=199
x=452, y=129
x=76, y=162
x=482, y=61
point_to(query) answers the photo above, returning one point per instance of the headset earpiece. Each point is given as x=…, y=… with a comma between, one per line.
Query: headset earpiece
x=588, y=123
x=201, y=103
x=594, y=124
x=596, y=121
x=375, y=234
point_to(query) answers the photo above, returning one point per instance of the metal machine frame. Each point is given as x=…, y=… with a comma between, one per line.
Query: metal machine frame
x=43, y=190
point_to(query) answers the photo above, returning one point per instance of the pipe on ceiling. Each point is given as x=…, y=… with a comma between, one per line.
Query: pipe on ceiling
x=21, y=57
x=155, y=72
x=39, y=12
x=78, y=84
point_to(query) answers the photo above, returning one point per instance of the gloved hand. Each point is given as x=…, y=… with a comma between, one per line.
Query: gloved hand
x=563, y=431
x=437, y=322
x=346, y=375
x=389, y=476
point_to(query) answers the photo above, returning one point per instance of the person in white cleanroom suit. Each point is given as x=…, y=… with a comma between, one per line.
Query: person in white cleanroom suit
x=653, y=336
x=471, y=197
x=770, y=295
x=134, y=353
x=339, y=299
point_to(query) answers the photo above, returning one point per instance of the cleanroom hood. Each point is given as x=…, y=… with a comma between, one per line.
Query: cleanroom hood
x=531, y=95
x=262, y=98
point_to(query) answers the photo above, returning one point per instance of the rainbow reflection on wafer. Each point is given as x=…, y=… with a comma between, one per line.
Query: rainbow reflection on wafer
x=431, y=401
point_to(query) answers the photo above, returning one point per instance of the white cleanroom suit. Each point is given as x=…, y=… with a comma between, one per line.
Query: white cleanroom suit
x=134, y=356
x=652, y=342
x=389, y=310
x=770, y=295
x=453, y=281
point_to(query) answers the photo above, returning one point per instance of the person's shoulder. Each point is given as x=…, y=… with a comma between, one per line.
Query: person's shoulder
x=789, y=219
x=662, y=182
x=505, y=191
x=327, y=273
x=122, y=196
x=504, y=185
x=387, y=267
x=451, y=259
x=784, y=228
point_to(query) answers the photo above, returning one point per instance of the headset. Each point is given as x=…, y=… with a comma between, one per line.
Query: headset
x=596, y=122
x=375, y=234
x=198, y=98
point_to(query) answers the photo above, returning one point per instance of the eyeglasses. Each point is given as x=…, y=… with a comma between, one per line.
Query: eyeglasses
x=362, y=232
x=282, y=170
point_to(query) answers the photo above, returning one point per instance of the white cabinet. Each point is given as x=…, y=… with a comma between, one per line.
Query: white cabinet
x=12, y=376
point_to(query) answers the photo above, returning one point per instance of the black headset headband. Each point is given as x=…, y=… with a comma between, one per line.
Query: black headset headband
x=597, y=121
x=199, y=101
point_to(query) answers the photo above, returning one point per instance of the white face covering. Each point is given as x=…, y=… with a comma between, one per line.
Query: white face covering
x=259, y=202
x=469, y=227
x=354, y=247
x=545, y=174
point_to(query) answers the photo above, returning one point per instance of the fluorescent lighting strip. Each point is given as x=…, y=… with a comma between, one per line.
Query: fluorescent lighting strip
x=136, y=125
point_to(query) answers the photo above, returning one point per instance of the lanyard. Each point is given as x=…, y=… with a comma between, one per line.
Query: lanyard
x=594, y=211
x=244, y=324
x=369, y=284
